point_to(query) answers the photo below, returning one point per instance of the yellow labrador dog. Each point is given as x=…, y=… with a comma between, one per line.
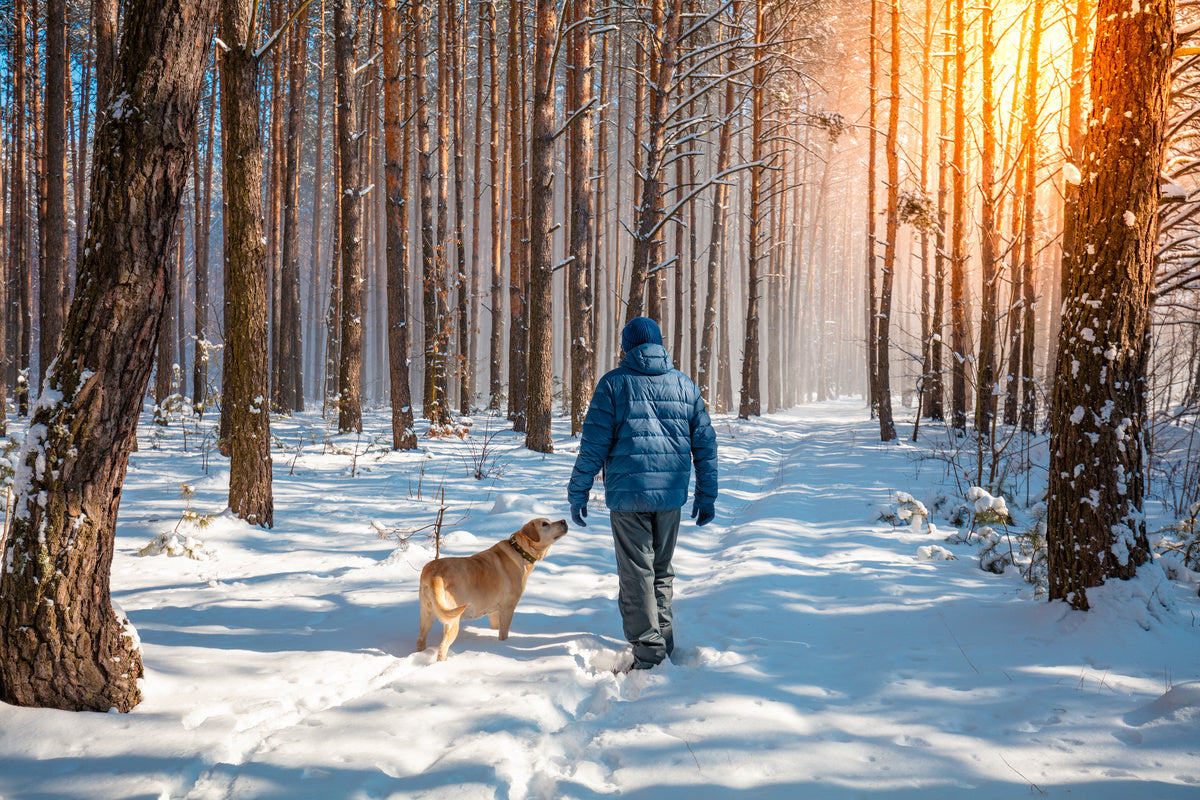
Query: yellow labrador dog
x=485, y=584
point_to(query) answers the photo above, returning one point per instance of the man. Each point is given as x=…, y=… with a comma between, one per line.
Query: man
x=646, y=426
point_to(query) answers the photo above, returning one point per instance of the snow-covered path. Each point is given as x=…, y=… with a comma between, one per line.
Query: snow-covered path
x=817, y=655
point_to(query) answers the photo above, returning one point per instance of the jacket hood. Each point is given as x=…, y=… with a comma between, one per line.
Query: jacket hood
x=648, y=359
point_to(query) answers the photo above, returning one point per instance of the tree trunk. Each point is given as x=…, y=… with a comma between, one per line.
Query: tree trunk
x=872, y=135
x=600, y=269
x=1076, y=92
x=457, y=145
x=19, y=227
x=434, y=406
x=582, y=375
x=54, y=290
x=985, y=398
x=1028, y=315
x=937, y=383
x=663, y=40
x=104, y=22
x=518, y=242
x=883, y=371
x=350, y=220
x=704, y=377
x=437, y=303
x=272, y=66
x=750, y=403
x=1095, y=524
x=62, y=645
x=1012, y=378
x=397, y=103
x=317, y=264
x=244, y=397
x=22, y=297
x=289, y=386
x=776, y=287
x=926, y=308
x=476, y=200
x=203, y=199
x=496, y=337
x=541, y=192
x=166, y=349
x=958, y=230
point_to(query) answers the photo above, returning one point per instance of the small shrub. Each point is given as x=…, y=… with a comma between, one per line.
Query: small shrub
x=174, y=543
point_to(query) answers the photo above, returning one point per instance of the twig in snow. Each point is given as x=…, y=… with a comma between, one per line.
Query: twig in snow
x=955, y=638
x=1031, y=783
x=693, y=752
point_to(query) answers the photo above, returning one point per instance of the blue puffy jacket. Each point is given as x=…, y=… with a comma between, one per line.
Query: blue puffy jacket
x=646, y=426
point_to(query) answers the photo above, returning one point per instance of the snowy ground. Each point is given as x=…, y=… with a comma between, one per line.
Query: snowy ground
x=818, y=655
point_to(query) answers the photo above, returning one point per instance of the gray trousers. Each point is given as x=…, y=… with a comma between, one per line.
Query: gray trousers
x=644, y=543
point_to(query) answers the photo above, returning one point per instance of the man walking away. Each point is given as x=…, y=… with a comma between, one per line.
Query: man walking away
x=646, y=427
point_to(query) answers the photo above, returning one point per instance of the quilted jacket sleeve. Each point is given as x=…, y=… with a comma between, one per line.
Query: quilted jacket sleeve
x=704, y=452
x=595, y=443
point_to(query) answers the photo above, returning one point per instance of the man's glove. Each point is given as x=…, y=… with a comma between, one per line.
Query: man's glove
x=703, y=512
x=577, y=515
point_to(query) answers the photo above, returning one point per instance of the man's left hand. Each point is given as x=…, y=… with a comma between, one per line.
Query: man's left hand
x=703, y=512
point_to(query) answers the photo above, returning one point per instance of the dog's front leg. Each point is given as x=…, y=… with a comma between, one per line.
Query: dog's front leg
x=504, y=616
x=494, y=620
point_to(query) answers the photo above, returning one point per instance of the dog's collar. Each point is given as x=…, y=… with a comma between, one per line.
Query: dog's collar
x=513, y=541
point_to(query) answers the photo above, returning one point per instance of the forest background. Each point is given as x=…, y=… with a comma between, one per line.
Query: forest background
x=814, y=199
x=763, y=133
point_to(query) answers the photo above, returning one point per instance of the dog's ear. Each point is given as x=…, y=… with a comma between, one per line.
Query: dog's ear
x=531, y=530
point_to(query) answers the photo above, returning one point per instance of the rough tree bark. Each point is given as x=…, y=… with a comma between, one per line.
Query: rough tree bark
x=289, y=371
x=244, y=407
x=582, y=374
x=53, y=276
x=62, y=644
x=539, y=395
x=518, y=243
x=1095, y=524
x=438, y=321
x=397, y=101
x=350, y=218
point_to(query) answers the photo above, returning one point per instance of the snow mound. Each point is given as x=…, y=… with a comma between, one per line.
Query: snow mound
x=1146, y=599
x=906, y=510
x=1180, y=703
x=933, y=552
x=526, y=505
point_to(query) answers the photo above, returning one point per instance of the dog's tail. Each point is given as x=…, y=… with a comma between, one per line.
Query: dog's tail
x=443, y=602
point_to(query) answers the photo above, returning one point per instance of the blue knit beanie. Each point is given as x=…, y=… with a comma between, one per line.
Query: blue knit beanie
x=639, y=331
